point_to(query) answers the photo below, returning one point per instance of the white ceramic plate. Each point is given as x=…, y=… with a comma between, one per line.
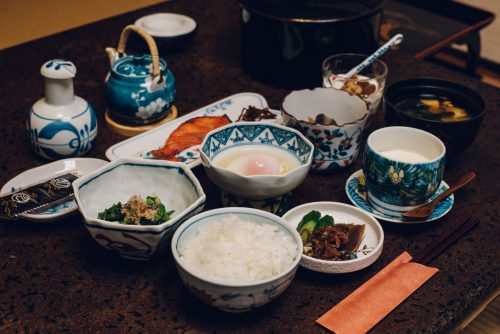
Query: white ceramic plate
x=369, y=249
x=166, y=24
x=44, y=172
x=140, y=145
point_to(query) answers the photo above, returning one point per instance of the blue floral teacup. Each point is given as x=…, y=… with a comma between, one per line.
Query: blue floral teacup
x=332, y=120
x=403, y=168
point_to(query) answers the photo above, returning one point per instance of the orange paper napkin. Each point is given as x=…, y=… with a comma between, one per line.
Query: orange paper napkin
x=372, y=301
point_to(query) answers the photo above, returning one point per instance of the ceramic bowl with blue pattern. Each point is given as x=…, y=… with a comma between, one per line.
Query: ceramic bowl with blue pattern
x=235, y=297
x=173, y=183
x=337, y=140
x=403, y=168
x=229, y=154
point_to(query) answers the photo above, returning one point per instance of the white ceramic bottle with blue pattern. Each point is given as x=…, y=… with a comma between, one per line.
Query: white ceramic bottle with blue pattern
x=61, y=125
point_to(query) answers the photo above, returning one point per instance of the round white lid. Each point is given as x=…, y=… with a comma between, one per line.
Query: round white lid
x=166, y=24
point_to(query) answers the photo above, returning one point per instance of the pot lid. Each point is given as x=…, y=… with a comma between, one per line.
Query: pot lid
x=313, y=11
x=136, y=66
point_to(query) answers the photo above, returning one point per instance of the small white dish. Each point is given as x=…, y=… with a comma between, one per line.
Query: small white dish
x=369, y=249
x=356, y=191
x=44, y=172
x=167, y=24
x=139, y=146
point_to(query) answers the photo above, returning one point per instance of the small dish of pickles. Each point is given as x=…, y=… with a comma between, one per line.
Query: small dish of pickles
x=337, y=237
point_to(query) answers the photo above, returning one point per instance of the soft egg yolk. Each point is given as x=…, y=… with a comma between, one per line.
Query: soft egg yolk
x=262, y=164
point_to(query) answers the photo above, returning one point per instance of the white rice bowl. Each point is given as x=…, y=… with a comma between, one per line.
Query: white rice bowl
x=226, y=251
x=236, y=259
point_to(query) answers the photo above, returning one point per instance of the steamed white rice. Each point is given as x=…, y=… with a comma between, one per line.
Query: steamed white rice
x=237, y=251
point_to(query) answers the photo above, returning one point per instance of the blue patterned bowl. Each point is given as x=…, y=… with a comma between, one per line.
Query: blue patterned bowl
x=173, y=183
x=276, y=139
x=235, y=297
x=335, y=146
x=403, y=168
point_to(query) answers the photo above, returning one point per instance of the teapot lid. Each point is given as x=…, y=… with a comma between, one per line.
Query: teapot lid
x=58, y=69
x=136, y=66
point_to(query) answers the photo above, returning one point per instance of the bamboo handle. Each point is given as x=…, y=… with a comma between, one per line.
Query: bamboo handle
x=155, y=58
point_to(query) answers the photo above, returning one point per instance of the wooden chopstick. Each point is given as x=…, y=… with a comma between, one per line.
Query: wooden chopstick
x=448, y=238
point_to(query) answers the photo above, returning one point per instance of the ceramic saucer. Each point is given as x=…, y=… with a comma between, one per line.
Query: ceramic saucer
x=37, y=174
x=356, y=191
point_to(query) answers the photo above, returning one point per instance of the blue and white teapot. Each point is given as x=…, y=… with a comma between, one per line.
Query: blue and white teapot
x=61, y=124
x=140, y=88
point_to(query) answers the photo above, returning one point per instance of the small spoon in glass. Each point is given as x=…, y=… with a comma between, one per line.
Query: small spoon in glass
x=426, y=210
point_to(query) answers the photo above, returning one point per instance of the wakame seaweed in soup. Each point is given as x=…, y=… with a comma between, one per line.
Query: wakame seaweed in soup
x=433, y=108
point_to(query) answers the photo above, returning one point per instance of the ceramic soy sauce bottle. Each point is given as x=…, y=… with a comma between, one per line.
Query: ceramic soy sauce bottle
x=61, y=125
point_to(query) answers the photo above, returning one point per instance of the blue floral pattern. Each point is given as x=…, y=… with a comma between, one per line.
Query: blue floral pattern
x=357, y=192
x=334, y=149
x=400, y=183
x=265, y=134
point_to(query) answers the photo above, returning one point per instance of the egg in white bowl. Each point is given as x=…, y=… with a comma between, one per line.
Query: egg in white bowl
x=256, y=160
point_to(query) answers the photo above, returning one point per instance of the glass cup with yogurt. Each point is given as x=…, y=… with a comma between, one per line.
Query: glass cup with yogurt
x=368, y=84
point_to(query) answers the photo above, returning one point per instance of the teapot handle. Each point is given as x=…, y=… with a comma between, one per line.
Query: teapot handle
x=155, y=58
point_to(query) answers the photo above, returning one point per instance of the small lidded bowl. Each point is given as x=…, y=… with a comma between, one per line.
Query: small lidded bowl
x=236, y=259
x=332, y=120
x=403, y=168
x=255, y=160
x=171, y=182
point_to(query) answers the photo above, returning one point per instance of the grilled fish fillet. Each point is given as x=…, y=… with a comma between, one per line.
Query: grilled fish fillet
x=192, y=132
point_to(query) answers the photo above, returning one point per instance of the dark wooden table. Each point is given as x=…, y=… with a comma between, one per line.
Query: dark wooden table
x=55, y=278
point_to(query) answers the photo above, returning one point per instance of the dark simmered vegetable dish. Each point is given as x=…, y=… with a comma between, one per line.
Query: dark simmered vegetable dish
x=323, y=239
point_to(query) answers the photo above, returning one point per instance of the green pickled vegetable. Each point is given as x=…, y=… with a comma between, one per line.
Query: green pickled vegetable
x=312, y=215
x=326, y=220
x=311, y=222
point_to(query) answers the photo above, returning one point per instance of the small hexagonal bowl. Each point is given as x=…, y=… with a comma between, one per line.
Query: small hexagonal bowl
x=173, y=183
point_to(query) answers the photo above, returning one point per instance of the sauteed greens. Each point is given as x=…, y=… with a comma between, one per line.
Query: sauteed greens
x=137, y=211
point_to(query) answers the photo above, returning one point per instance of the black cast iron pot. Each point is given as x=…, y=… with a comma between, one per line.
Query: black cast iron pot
x=284, y=42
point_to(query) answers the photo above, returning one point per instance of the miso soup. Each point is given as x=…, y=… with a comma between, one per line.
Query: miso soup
x=433, y=108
